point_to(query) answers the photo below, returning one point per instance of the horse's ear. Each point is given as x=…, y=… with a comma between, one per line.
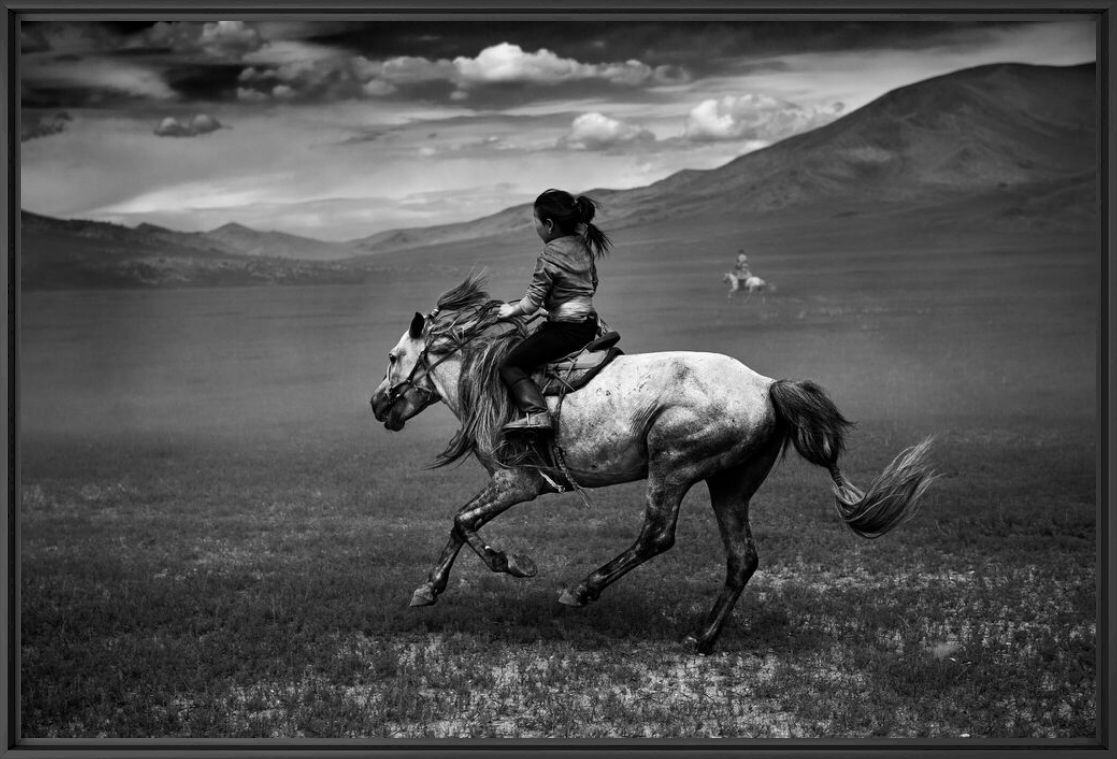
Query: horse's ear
x=417, y=323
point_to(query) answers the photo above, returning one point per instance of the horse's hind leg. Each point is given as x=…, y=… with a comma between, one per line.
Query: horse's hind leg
x=656, y=536
x=507, y=488
x=730, y=493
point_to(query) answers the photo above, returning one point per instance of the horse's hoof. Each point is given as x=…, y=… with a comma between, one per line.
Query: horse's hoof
x=695, y=646
x=566, y=598
x=423, y=596
x=521, y=566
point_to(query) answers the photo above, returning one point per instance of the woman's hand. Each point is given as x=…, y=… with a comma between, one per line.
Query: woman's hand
x=506, y=311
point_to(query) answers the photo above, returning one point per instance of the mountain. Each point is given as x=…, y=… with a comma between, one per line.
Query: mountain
x=512, y=220
x=58, y=253
x=991, y=127
x=1002, y=128
x=241, y=239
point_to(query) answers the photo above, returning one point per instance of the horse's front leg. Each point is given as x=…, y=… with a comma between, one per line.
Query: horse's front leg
x=427, y=593
x=507, y=488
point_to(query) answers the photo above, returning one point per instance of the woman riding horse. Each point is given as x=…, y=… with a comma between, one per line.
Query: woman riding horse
x=564, y=282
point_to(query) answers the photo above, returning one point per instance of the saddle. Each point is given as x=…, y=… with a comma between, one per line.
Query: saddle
x=575, y=370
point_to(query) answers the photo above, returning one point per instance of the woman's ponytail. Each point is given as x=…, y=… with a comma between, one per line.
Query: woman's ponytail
x=597, y=240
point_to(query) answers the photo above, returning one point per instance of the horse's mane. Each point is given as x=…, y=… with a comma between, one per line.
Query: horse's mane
x=471, y=327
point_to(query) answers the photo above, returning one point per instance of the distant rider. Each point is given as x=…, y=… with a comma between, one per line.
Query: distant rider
x=741, y=270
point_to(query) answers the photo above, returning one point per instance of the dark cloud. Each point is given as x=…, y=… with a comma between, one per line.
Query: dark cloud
x=32, y=40
x=45, y=96
x=701, y=46
x=205, y=82
x=368, y=135
x=219, y=39
x=32, y=96
x=89, y=81
x=334, y=78
x=69, y=37
x=74, y=64
x=33, y=127
x=319, y=62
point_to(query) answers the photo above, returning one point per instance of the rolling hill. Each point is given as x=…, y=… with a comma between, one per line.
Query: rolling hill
x=250, y=242
x=58, y=253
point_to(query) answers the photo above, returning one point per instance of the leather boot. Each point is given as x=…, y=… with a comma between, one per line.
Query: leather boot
x=529, y=400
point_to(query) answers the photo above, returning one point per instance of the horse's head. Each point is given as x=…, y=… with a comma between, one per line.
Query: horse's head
x=407, y=388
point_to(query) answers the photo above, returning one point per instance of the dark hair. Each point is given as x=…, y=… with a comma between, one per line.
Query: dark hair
x=568, y=213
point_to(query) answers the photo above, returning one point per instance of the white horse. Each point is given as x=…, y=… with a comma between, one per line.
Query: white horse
x=673, y=418
x=752, y=283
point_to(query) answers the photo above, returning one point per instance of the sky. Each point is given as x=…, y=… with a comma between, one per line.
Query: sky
x=339, y=129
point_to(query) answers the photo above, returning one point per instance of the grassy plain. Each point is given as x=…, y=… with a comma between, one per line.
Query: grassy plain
x=219, y=541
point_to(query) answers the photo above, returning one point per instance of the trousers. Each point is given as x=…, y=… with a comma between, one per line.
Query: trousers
x=552, y=340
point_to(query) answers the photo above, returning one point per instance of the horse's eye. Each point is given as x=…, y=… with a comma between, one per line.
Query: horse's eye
x=391, y=359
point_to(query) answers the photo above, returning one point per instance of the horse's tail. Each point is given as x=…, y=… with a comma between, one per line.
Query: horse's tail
x=812, y=423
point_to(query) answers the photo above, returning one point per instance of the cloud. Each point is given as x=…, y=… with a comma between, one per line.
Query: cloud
x=44, y=126
x=67, y=38
x=754, y=117
x=508, y=62
x=500, y=64
x=309, y=71
x=378, y=88
x=220, y=39
x=98, y=77
x=596, y=131
x=408, y=69
x=228, y=38
x=201, y=123
x=281, y=52
x=250, y=95
x=295, y=71
x=32, y=40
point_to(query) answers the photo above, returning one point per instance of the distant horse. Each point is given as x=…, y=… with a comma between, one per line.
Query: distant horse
x=673, y=418
x=752, y=283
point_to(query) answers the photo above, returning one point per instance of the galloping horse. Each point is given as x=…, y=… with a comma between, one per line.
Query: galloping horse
x=672, y=418
x=752, y=283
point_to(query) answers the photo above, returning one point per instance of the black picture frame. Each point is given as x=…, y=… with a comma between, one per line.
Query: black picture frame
x=11, y=745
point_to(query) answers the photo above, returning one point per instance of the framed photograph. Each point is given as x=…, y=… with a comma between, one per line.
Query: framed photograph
x=620, y=378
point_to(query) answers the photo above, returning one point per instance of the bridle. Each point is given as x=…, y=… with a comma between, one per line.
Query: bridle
x=429, y=393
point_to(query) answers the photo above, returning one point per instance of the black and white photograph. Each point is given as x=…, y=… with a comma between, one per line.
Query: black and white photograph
x=581, y=377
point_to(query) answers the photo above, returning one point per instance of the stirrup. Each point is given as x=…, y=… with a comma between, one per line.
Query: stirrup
x=537, y=421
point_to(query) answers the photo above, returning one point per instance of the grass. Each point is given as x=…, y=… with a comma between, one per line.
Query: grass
x=273, y=602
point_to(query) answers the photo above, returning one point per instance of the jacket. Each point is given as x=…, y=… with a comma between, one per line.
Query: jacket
x=564, y=281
